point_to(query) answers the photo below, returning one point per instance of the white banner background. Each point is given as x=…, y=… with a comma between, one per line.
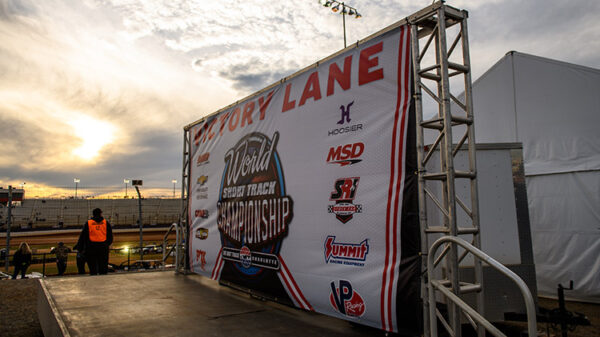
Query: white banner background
x=379, y=91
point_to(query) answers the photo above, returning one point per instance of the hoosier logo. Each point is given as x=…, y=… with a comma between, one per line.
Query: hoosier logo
x=343, y=195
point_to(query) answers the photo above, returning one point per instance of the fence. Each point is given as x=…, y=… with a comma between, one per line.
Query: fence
x=120, y=260
x=64, y=213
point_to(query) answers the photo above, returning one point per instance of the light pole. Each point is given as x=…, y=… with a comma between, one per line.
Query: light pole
x=174, y=183
x=76, y=181
x=126, y=181
x=346, y=10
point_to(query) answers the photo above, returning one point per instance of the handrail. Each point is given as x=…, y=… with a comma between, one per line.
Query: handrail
x=164, y=244
x=529, y=303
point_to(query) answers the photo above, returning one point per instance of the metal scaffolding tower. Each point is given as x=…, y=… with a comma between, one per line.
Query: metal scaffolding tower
x=433, y=73
x=182, y=241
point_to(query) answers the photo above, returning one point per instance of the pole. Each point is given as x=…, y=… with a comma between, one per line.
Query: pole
x=76, y=190
x=140, y=224
x=125, y=190
x=344, y=21
x=8, y=224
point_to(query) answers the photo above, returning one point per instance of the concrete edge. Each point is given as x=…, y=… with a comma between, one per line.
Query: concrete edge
x=48, y=314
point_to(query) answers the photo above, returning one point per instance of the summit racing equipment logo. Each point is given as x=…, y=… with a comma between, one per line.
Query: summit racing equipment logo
x=202, y=180
x=343, y=195
x=254, y=211
x=345, y=253
x=346, y=300
x=346, y=154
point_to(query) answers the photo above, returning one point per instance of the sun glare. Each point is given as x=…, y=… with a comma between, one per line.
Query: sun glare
x=94, y=134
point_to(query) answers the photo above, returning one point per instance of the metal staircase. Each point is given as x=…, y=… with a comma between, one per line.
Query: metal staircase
x=440, y=63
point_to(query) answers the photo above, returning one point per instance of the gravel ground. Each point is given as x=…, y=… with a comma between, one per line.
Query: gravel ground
x=18, y=314
x=18, y=308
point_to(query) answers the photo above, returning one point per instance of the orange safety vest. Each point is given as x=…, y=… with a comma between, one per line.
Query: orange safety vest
x=97, y=230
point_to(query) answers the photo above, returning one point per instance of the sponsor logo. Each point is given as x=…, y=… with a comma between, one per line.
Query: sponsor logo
x=343, y=195
x=200, y=196
x=254, y=211
x=345, y=129
x=248, y=259
x=202, y=233
x=203, y=159
x=345, y=113
x=345, y=118
x=345, y=300
x=346, y=154
x=202, y=189
x=202, y=180
x=201, y=213
x=201, y=257
x=345, y=253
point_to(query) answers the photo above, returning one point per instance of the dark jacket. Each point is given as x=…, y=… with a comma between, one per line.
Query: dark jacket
x=84, y=242
x=20, y=259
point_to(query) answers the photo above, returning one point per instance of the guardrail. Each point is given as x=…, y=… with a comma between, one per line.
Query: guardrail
x=471, y=314
x=44, y=263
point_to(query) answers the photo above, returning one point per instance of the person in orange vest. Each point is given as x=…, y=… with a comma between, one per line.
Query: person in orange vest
x=95, y=240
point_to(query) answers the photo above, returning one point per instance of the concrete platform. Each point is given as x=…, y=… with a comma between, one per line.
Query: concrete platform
x=168, y=304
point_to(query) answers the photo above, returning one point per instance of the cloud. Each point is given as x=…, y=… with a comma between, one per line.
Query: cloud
x=147, y=68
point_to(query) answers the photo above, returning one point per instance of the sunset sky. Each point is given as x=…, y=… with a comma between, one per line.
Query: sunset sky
x=100, y=90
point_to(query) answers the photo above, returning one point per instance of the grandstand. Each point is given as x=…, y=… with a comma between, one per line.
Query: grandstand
x=65, y=213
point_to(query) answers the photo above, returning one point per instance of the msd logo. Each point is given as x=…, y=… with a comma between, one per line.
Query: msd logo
x=346, y=154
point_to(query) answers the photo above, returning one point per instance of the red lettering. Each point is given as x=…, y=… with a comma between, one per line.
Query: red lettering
x=366, y=62
x=342, y=78
x=346, y=151
x=334, y=153
x=264, y=104
x=198, y=134
x=236, y=114
x=357, y=149
x=222, y=120
x=287, y=105
x=346, y=189
x=211, y=134
x=311, y=89
x=247, y=115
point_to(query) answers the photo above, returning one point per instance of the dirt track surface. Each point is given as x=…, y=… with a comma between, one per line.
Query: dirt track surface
x=70, y=239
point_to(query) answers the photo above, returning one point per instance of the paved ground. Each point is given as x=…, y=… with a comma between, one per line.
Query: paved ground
x=19, y=317
x=168, y=304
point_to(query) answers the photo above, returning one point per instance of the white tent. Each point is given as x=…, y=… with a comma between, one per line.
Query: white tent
x=553, y=108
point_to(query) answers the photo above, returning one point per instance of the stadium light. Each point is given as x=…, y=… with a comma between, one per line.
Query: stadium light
x=126, y=181
x=346, y=10
x=76, y=181
x=174, y=183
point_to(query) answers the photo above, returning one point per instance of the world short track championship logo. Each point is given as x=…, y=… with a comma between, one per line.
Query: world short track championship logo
x=254, y=211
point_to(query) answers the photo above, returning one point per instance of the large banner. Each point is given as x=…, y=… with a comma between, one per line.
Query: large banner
x=305, y=191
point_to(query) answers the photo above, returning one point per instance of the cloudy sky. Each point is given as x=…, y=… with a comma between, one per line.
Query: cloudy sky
x=101, y=89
